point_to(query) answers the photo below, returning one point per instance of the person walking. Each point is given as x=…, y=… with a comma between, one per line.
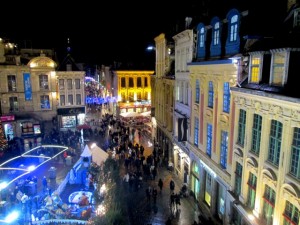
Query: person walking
x=172, y=186
x=160, y=184
x=45, y=184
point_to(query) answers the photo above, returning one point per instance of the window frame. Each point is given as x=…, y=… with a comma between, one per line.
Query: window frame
x=12, y=83
x=275, y=140
x=226, y=97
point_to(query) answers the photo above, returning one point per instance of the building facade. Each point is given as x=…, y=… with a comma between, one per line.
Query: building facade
x=184, y=43
x=164, y=96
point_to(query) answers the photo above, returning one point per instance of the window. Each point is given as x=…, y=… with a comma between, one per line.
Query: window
x=70, y=99
x=275, y=142
x=139, y=82
x=45, y=102
x=131, y=82
x=216, y=33
x=62, y=100
x=43, y=79
x=238, y=179
x=139, y=96
x=11, y=81
x=295, y=157
x=224, y=148
x=291, y=214
x=268, y=206
x=69, y=84
x=278, y=75
x=78, y=99
x=77, y=83
x=13, y=104
x=146, y=82
x=208, y=189
x=251, y=190
x=196, y=131
x=296, y=17
x=197, y=98
x=210, y=94
x=123, y=98
x=201, y=37
x=123, y=82
x=256, y=134
x=242, y=128
x=201, y=32
x=226, y=97
x=27, y=128
x=209, y=140
x=233, y=28
x=255, y=69
x=236, y=217
x=61, y=84
x=131, y=96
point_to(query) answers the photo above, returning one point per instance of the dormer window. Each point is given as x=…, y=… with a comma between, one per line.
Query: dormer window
x=255, y=67
x=201, y=40
x=278, y=68
x=233, y=28
x=233, y=38
x=215, y=46
x=296, y=18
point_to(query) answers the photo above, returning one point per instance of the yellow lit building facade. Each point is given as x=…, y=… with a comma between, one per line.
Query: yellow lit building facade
x=134, y=91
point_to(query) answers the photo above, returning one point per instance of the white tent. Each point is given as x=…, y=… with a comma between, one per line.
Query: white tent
x=98, y=155
x=86, y=152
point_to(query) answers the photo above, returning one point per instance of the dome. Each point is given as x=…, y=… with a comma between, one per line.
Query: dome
x=41, y=61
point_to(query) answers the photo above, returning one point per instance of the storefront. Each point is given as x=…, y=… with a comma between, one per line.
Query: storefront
x=31, y=134
x=70, y=118
x=8, y=123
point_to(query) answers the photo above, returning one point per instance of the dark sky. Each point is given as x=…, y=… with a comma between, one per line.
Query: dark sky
x=102, y=32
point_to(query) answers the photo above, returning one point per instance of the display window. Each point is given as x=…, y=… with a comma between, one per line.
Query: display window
x=68, y=121
x=27, y=128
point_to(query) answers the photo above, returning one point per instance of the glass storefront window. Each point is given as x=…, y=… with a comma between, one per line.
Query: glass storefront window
x=68, y=121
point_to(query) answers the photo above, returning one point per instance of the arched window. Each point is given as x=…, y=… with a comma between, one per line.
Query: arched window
x=215, y=46
x=233, y=38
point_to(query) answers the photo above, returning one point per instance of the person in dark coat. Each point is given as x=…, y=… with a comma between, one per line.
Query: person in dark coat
x=160, y=184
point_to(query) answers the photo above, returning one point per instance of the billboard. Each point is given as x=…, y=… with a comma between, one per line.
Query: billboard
x=27, y=87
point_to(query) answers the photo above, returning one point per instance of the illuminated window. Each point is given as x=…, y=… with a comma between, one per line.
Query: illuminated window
x=196, y=131
x=255, y=71
x=43, y=79
x=226, y=97
x=224, y=149
x=208, y=189
x=45, y=102
x=233, y=28
x=268, y=206
x=201, y=37
x=252, y=181
x=210, y=94
x=11, y=82
x=216, y=33
x=197, y=99
x=209, y=140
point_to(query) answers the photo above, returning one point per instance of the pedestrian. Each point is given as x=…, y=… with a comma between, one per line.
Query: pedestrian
x=45, y=184
x=160, y=184
x=154, y=194
x=172, y=186
x=169, y=221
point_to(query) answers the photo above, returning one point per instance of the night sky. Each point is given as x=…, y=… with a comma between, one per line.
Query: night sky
x=104, y=32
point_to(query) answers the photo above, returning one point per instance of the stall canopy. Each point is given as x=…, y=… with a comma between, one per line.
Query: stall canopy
x=98, y=155
x=86, y=152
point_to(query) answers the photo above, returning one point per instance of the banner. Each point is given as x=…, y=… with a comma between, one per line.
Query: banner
x=182, y=129
x=27, y=87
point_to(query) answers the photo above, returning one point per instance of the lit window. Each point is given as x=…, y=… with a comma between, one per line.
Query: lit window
x=210, y=94
x=224, y=149
x=216, y=33
x=255, y=72
x=43, y=79
x=252, y=181
x=209, y=140
x=45, y=102
x=226, y=97
x=196, y=131
x=12, y=84
x=291, y=214
x=269, y=204
x=233, y=28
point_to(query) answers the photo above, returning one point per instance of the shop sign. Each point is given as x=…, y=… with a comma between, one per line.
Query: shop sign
x=7, y=118
x=71, y=111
